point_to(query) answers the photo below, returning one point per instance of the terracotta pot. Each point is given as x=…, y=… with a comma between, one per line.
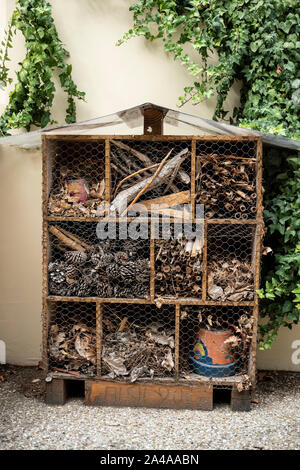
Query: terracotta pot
x=210, y=348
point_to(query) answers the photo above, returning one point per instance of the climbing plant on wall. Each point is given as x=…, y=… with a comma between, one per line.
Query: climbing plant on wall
x=280, y=292
x=257, y=43
x=31, y=99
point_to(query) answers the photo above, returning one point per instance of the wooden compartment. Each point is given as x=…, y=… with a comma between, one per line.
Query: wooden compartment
x=75, y=183
x=111, y=165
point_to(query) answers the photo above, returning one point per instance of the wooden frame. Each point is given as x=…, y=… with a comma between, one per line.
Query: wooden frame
x=257, y=224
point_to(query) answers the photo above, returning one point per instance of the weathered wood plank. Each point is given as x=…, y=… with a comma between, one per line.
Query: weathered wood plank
x=150, y=396
x=240, y=401
x=153, y=121
x=56, y=392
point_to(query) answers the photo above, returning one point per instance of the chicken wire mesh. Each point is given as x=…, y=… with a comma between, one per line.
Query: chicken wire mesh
x=82, y=265
x=76, y=178
x=147, y=172
x=215, y=341
x=178, y=263
x=71, y=342
x=231, y=261
x=225, y=179
x=138, y=341
x=215, y=264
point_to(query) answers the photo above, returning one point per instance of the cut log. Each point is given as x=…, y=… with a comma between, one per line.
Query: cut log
x=171, y=200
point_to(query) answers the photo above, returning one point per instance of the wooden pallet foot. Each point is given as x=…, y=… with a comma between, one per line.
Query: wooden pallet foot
x=149, y=395
x=56, y=392
x=240, y=401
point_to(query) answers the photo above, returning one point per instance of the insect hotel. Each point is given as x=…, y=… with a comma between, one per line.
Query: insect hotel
x=151, y=261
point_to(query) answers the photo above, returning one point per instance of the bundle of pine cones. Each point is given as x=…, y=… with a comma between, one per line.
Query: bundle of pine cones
x=116, y=269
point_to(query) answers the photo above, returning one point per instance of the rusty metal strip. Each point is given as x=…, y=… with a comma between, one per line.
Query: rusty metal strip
x=99, y=332
x=107, y=176
x=177, y=340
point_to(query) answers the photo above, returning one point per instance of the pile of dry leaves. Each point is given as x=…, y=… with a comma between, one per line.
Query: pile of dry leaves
x=137, y=350
x=76, y=198
x=230, y=279
x=72, y=348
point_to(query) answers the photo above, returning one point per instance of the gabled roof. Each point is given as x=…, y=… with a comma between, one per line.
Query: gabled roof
x=130, y=121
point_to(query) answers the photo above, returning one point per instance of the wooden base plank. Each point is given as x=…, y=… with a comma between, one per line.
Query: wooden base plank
x=150, y=396
x=240, y=401
x=56, y=392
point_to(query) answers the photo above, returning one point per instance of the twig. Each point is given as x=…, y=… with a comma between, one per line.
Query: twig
x=148, y=184
x=65, y=371
x=183, y=176
x=73, y=237
x=143, y=158
x=132, y=175
x=64, y=239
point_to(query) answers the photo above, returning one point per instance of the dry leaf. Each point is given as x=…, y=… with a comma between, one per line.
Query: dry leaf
x=266, y=250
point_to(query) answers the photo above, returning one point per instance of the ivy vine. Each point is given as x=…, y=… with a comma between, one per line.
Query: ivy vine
x=257, y=42
x=31, y=100
x=280, y=294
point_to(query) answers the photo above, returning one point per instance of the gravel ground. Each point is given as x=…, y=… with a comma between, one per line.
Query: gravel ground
x=26, y=422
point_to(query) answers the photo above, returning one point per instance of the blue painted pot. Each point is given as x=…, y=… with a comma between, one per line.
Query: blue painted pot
x=210, y=370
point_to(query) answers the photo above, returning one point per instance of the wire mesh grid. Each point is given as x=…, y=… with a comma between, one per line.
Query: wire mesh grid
x=76, y=178
x=138, y=341
x=71, y=341
x=82, y=265
x=178, y=263
x=215, y=341
x=226, y=179
x=144, y=338
x=231, y=259
x=150, y=170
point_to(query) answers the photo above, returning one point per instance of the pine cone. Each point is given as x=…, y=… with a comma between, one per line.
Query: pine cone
x=101, y=261
x=121, y=257
x=76, y=257
x=90, y=276
x=104, y=289
x=58, y=275
x=72, y=290
x=123, y=292
x=84, y=289
x=72, y=272
x=131, y=247
x=141, y=290
x=58, y=289
x=54, y=265
x=127, y=271
x=143, y=270
x=113, y=271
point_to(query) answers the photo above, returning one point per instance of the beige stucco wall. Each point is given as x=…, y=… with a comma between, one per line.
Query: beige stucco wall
x=113, y=78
